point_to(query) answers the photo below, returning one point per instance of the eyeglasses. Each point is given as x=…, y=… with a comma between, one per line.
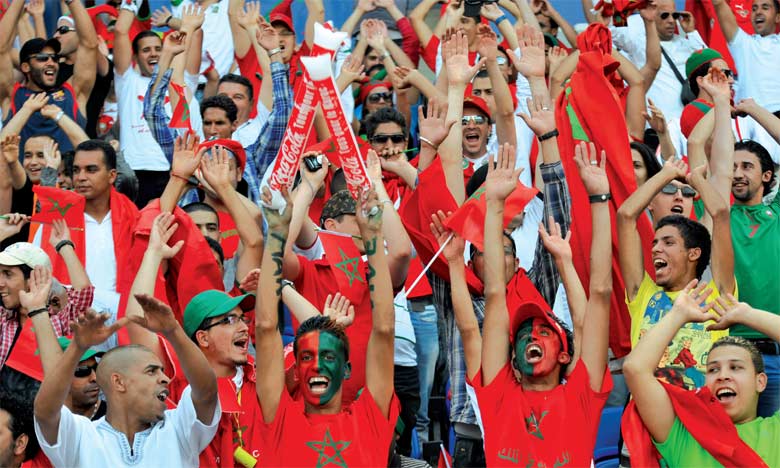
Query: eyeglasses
x=376, y=97
x=43, y=58
x=64, y=29
x=477, y=119
x=676, y=15
x=396, y=138
x=501, y=60
x=231, y=319
x=84, y=371
x=671, y=189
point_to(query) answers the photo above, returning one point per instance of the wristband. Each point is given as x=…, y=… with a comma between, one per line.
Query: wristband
x=428, y=142
x=274, y=51
x=62, y=244
x=288, y=283
x=500, y=19
x=601, y=198
x=59, y=116
x=35, y=312
x=549, y=135
x=168, y=20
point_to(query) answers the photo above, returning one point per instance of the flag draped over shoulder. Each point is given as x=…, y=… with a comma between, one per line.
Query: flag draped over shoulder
x=589, y=110
x=703, y=417
x=180, y=117
x=347, y=264
x=24, y=356
x=54, y=204
x=190, y=272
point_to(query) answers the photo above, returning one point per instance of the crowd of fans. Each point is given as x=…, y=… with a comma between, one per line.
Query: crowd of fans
x=470, y=233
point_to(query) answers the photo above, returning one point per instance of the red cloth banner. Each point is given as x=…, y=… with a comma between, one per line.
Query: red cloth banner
x=181, y=113
x=54, y=204
x=319, y=69
x=24, y=356
x=346, y=262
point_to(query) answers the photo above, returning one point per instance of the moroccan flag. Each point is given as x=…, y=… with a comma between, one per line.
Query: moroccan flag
x=54, y=204
x=346, y=262
x=589, y=110
x=24, y=356
x=181, y=113
x=469, y=219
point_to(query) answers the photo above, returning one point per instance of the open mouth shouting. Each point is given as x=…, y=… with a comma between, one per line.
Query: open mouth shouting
x=726, y=395
x=660, y=265
x=533, y=353
x=677, y=209
x=318, y=384
x=163, y=395
x=241, y=343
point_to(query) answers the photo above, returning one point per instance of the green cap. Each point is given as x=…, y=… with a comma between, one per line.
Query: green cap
x=211, y=303
x=64, y=343
x=699, y=58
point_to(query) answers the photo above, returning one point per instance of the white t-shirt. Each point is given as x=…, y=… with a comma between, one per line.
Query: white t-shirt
x=174, y=442
x=247, y=133
x=217, y=40
x=758, y=63
x=138, y=146
x=666, y=88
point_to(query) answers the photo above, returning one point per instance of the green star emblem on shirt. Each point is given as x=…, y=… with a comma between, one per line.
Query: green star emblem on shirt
x=337, y=446
x=349, y=265
x=477, y=193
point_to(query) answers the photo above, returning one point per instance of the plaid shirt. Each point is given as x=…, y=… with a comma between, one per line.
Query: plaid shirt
x=154, y=113
x=544, y=275
x=78, y=302
x=260, y=154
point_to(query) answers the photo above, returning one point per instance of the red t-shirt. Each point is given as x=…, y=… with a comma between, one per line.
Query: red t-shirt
x=560, y=424
x=359, y=435
x=315, y=281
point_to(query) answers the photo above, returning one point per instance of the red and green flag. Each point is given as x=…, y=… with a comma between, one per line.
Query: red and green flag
x=24, y=356
x=181, y=112
x=54, y=204
x=346, y=262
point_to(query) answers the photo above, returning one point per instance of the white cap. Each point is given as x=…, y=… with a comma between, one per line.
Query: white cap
x=24, y=253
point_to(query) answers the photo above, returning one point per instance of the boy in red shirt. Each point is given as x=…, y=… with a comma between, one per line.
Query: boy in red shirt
x=538, y=345
x=315, y=429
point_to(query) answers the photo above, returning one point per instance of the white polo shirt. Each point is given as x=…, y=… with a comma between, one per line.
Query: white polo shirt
x=757, y=60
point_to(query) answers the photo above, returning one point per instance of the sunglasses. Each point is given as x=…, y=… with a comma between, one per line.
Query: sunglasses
x=375, y=98
x=64, y=29
x=231, y=319
x=43, y=57
x=671, y=189
x=729, y=74
x=396, y=138
x=501, y=60
x=477, y=119
x=676, y=15
x=84, y=371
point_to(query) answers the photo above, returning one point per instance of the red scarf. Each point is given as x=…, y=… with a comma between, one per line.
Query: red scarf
x=706, y=420
x=123, y=218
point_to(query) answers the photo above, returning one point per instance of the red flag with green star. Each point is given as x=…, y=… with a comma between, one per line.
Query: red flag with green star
x=346, y=262
x=24, y=356
x=54, y=204
x=181, y=113
x=469, y=219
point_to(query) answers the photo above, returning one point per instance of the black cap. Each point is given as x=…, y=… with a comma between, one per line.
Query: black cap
x=338, y=204
x=36, y=46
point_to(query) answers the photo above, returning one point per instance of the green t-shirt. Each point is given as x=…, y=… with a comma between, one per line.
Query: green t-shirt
x=755, y=234
x=761, y=434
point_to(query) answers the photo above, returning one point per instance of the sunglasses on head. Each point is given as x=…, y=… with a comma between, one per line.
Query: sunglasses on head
x=43, y=57
x=671, y=189
x=376, y=97
x=84, y=371
x=676, y=15
x=396, y=138
x=64, y=29
x=477, y=119
x=231, y=319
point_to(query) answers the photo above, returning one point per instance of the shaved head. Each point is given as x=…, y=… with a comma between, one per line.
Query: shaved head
x=118, y=361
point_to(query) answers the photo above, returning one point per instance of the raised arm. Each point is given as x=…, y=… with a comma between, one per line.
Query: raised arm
x=242, y=44
x=434, y=128
x=501, y=180
x=85, y=67
x=268, y=340
x=186, y=159
x=417, y=18
x=651, y=398
x=315, y=13
x=7, y=34
x=503, y=114
x=35, y=299
x=766, y=119
x=10, y=149
x=631, y=248
x=726, y=19
x=730, y=312
x=596, y=329
x=379, y=353
x=635, y=101
x=652, y=46
x=721, y=160
x=657, y=121
x=123, y=50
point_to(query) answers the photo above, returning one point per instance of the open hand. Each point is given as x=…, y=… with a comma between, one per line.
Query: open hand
x=339, y=309
x=89, y=329
x=163, y=228
x=186, y=157
x=36, y=102
x=554, y=242
x=174, y=43
x=716, y=84
x=542, y=117
x=502, y=177
x=51, y=154
x=592, y=172
x=267, y=36
x=455, y=53
x=250, y=281
x=160, y=16
x=453, y=251
x=216, y=169
x=10, y=148
x=157, y=318
x=531, y=61
x=192, y=18
x=59, y=232
x=655, y=118
x=689, y=303
x=249, y=17
x=730, y=310
x=488, y=43
x=39, y=288
x=433, y=124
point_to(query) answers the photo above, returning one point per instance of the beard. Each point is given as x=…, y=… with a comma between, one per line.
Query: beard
x=37, y=77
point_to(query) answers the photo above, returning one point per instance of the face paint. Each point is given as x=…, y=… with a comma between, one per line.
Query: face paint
x=537, y=348
x=321, y=366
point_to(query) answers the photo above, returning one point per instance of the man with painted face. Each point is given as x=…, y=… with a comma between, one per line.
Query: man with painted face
x=40, y=63
x=318, y=427
x=681, y=252
x=691, y=429
x=538, y=346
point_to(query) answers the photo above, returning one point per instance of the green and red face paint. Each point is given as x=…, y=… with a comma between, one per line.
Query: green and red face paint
x=539, y=341
x=321, y=366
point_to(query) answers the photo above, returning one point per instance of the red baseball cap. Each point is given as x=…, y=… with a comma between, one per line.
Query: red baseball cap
x=232, y=146
x=532, y=309
x=477, y=103
x=282, y=13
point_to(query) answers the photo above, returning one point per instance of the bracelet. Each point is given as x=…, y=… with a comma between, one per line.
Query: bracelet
x=549, y=135
x=428, y=142
x=274, y=51
x=386, y=55
x=288, y=283
x=168, y=20
x=35, y=312
x=59, y=116
x=387, y=201
x=501, y=18
x=62, y=244
x=601, y=198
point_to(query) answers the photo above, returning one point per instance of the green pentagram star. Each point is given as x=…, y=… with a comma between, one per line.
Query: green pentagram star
x=338, y=446
x=477, y=193
x=349, y=265
x=59, y=208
